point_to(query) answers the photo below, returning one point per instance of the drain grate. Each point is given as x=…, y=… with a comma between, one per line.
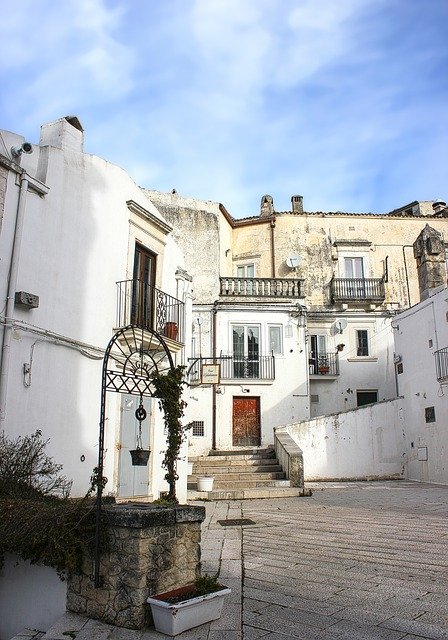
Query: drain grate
x=237, y=522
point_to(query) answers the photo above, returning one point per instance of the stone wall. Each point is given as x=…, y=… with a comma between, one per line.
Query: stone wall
x=151, y=549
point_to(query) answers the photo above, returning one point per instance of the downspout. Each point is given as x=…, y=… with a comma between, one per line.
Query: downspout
x=12, y=285
x=214, y=315
x=272, y=226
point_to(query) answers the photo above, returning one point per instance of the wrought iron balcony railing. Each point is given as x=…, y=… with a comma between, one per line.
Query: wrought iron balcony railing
x=262, y=287
x=324, y=364
x=353, y=289
x=442, y=364
x=145, y=306
x=235, y=367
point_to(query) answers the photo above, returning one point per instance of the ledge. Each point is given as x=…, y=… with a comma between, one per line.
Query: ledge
x=141, y=516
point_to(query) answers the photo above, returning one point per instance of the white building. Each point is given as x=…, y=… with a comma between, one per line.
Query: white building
x=421, y=345
x=83, y=254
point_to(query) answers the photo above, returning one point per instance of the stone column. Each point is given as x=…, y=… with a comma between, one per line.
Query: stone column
x=429, y=251
x=151, y=549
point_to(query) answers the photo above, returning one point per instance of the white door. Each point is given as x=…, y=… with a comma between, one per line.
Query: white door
x=133, y=481
x=354, y=270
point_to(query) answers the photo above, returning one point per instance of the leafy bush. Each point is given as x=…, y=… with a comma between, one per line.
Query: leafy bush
x=38, y=520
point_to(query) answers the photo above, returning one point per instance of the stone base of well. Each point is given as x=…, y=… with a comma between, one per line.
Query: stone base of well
x=151, y=549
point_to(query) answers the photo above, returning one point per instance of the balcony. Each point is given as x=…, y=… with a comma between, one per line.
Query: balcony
x=442, y=364
x=261, y=287
x=324, y=364
x=235, y=368
x=140, y=304
x=357, y=289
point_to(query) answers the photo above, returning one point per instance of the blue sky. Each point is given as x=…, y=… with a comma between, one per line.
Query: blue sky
x=344, y=102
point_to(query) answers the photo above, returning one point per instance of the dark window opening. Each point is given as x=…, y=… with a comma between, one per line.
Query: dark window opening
x=366, y=397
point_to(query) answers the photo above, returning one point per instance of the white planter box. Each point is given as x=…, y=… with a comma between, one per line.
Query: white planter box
x=176, y=618
x=205, y=483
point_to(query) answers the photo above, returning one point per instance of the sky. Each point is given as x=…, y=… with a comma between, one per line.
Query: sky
x=344, y=102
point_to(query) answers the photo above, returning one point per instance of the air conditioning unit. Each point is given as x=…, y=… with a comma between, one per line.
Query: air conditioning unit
x=397, y=359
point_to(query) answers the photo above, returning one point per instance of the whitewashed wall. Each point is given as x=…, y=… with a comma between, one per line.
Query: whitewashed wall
x=365, y=443
x=77, y=243
x=419, y=332
x=30, y=596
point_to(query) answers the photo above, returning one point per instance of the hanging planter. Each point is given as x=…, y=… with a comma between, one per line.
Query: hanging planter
x=140, y=457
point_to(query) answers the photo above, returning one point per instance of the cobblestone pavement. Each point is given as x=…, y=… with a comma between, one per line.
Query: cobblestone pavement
x=356, y=561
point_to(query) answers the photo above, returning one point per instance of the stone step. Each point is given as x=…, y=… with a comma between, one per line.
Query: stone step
x=234, y=475
x=234, y=462
x=249, y=484
x=253, y=452
x=204, y=470
x=246, y=494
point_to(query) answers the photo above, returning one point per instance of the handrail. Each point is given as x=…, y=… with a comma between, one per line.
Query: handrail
x=147, y=307
x=358, y=289
x=261, y=287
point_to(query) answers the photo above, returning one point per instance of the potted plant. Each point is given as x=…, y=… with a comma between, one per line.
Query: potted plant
x=171, y=330
x=205, y=483
x=324, y=369
x=181, y=609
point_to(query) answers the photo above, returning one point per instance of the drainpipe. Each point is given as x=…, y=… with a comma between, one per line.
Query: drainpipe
x=12, y=285
x=214, y=315
x=272, y=225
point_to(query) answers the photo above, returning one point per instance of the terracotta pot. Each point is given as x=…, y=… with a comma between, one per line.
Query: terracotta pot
x=171, y=330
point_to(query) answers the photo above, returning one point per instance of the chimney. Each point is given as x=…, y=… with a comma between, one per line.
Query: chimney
x=438, y=206
x=429, y=251
x=297, y=204
x=66, y=133
x=266, y=207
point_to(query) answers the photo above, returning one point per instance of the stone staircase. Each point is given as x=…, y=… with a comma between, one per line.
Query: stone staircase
x=241, y=474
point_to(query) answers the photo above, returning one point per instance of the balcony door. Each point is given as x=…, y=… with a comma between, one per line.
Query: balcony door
x=318, y=354
x=354, y=271
x=143, y=287
x=246, y=351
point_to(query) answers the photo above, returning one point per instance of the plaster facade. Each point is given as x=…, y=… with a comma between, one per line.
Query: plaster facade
x=421, y=345
x=355, y=272
x=82, y=220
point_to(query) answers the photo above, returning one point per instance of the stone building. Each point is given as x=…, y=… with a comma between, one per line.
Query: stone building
x=295, y=307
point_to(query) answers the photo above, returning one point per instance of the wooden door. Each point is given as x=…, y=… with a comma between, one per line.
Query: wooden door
x=246, y=421
x=143, y=288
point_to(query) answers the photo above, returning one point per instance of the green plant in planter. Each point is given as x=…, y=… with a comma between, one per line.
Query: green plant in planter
x=169, y=389
x=207, y=584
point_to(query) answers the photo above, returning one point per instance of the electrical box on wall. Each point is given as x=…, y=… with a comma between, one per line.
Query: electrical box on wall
x=28, y=300
x=422, y=454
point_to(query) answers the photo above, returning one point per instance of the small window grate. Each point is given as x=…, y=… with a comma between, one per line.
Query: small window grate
x=197, y=428
x=314, y=398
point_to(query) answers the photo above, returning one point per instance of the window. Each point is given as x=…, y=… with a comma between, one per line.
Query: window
x=362, y=343
x=246, y=351
x=275, y=339
x=430, y=414
x=197, y=428
x=354, y=267
x=245, y=271
x=366, y=397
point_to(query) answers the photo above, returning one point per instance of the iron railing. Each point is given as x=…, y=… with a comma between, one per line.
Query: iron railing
x=323, y=364
x=262, y=287
x=352, y=289
x=147, y=307
x=442, y=364
x=235, y=367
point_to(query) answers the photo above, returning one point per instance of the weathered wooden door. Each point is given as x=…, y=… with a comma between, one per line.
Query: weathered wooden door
x=246, y=421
